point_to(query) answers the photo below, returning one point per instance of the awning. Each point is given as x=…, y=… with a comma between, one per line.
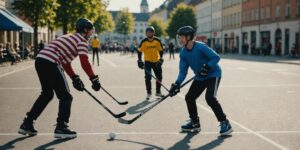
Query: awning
x=9, y=21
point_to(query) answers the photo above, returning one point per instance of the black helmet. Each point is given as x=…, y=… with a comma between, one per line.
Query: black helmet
x=186, y=31
x=82, y=24
x=150, y=28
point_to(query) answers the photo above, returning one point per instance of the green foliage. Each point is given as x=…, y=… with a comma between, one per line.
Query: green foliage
x=158, y=25
x=39, y=12
x=182, y=15
x=71, y=11
x=124, y=22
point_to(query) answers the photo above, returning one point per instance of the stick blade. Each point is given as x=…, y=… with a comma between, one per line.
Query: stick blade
x=121, y=120
x=120, y=115
x=123, y=102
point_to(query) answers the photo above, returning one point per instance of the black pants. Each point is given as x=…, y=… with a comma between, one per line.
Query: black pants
x=158, y=73
x=172, y=54
x=52, y=79
x=211, y=85
x=96, y=52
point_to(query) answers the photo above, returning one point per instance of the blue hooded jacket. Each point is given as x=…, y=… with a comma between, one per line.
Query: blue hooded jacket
x=200, y=54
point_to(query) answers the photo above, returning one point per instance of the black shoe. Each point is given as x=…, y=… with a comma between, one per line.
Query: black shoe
x=27, y=128
x=62, y=131
x=191, y=126
x=225, y=128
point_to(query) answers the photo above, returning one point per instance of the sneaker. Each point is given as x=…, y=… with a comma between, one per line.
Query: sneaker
x=225, y=128
x=148, y=96
x=159, y=95
x=191, y=126
x=27, y=128
x=62, y=131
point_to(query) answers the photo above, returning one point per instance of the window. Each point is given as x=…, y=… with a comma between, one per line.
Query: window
x=268, y=12
x=238, y=18
x=262, y=13
x=277, y=13
x=252, y=14
x=257, y=14
x=287, y=10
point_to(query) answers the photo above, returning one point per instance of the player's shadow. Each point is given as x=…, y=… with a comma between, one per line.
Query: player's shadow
x=215, y=143
x=183, y=144
x=149, y=146
x=10, y=144
x=54, y=142
x=140, y=106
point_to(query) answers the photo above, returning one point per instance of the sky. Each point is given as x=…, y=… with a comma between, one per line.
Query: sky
x=133, y=5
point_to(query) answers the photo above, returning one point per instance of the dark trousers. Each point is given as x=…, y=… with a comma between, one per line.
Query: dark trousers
x=211, y=85
x=158, y=74
x=172, y=54
x=52, y=80
x=96, y=52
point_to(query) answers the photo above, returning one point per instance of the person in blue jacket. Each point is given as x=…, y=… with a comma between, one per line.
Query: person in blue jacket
x=204, y=63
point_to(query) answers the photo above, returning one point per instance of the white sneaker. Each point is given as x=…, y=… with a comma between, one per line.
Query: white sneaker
x=148, y=96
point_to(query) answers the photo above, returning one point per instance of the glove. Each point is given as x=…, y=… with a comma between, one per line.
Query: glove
x=77, y=83
x=140, y=64
x=95, y=83
x=175, y=88
x=204, y=70
x=160, y=62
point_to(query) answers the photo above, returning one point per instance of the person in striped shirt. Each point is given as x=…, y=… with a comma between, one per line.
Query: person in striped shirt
x=50, y=63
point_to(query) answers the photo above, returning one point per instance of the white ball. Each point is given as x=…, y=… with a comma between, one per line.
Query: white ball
x=112, y=136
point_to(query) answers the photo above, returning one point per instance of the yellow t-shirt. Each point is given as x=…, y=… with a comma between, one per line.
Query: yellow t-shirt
x=151, y=49
x=95, y=43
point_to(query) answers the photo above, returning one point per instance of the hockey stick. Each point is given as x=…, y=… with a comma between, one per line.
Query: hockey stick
x=156, y=80
x=115, y=115
x=121, y=120
x=119, y=102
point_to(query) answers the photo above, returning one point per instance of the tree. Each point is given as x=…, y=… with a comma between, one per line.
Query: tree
x=124, y=23
x=68, y=13
x=104, y=22
x=39, y=12
x=158, y=25
x=95, y=10
x=182, y=15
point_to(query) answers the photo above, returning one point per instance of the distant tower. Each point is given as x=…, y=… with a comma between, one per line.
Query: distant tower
x=144, y=6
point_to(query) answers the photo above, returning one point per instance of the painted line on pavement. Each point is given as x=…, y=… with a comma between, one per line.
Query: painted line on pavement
x=108, y=61
x=162, y=133
x=15, y=71
x=244, y=127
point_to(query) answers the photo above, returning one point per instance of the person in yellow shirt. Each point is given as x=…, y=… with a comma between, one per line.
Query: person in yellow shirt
x=153, y=56
x=95, y=46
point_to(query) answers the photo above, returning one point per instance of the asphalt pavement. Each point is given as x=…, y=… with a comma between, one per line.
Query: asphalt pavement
x=260, y=96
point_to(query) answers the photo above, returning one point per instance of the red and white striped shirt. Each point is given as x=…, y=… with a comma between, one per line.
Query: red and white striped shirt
x=65, y=49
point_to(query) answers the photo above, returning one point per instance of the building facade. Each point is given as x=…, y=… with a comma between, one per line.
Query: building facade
x=216, y=24
x=231, y=26
x=140, y=25
x=203, y=12
x=272, y=26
